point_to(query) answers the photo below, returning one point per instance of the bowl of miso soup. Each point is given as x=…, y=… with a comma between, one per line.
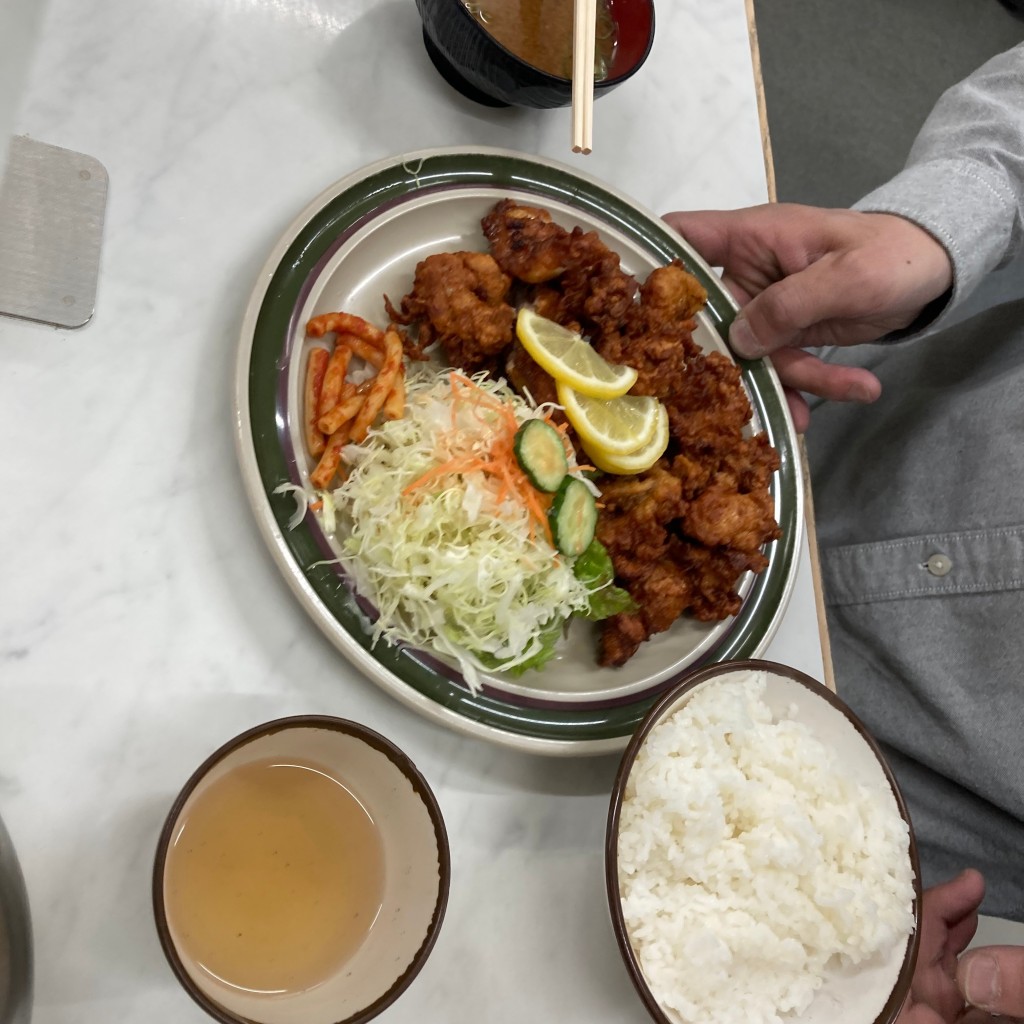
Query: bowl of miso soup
x=519, y=52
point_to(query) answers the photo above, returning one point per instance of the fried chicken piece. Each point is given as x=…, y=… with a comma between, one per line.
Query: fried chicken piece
x=664, y=590
x=634, y=517
x=715, y=573
x=724, y=516
x=671, y=294
x=588, y=290
x=549, y=303
x=663, y=593
x=735, y=508
x=708, y=408
x=459, y=300
x=596, y=291
x=633, y=525
x=693, y=472
x=619, y=638
x=751, y=462
x=657, y=336
x=692, y=579
x=660, y=359
x=526, y=242
x=708, y=414
x=633, y=544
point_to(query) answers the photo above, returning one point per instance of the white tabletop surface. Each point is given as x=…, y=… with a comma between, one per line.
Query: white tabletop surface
x=142, y=621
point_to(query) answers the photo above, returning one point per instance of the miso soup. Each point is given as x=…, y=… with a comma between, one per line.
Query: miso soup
x=540, y=32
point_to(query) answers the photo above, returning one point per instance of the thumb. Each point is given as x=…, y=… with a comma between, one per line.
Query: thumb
x=786, y=312
x=992, y=978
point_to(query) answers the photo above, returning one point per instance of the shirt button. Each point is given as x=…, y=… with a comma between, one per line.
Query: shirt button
x=939, y=565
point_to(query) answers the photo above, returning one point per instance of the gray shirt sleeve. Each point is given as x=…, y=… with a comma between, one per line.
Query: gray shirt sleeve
x=964, y=178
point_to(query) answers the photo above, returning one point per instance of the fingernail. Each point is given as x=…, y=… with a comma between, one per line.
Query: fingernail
x=860, y=392
x=743, y=340
x=981, y=981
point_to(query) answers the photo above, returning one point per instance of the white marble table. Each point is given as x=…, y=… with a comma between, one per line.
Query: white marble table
x=142, y=622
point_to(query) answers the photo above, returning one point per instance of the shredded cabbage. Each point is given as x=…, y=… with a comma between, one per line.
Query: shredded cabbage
x=299, y=494
x=455, y=564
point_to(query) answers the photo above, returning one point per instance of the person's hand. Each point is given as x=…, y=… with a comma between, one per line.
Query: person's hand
x=949, y=988
x=808, y=277
x=949, y=919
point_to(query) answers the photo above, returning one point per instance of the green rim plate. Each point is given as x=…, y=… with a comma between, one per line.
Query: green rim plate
x=265, y=376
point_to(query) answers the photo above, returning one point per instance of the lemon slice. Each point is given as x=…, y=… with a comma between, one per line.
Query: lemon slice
x=614, y=426
x=571, y=359
x=637, y=461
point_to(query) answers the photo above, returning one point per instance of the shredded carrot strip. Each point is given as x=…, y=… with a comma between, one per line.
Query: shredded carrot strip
x=463, y=464
x=501, y=462
x=316, y=506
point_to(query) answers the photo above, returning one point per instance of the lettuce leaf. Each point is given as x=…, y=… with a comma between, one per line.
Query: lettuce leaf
x=548, y=637
x=594, y=568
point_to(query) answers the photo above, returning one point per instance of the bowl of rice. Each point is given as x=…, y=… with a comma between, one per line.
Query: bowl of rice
x=760, y=863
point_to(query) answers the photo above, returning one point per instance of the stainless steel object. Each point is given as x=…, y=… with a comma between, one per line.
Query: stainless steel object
x=52, y=205
x=15, y=938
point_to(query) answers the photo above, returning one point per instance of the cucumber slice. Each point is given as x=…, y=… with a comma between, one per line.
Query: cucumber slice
x=573, y=517
x=540, y=451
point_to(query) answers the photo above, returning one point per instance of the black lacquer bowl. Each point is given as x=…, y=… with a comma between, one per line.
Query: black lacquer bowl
x=473, y=62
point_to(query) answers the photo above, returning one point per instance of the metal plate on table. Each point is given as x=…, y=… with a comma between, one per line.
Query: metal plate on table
x=52, y=205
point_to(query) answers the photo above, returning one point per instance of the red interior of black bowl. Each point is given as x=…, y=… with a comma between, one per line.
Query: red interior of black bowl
x=633, y=21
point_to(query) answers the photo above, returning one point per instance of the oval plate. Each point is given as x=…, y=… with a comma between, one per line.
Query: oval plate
x=361, y=239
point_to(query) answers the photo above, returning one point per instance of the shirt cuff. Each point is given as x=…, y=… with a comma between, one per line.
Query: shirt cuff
x=967, y=207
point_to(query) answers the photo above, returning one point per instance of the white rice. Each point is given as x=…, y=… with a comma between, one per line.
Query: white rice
x=748, y=860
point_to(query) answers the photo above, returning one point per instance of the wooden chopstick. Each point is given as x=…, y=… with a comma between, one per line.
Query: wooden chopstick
x=584, y=41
